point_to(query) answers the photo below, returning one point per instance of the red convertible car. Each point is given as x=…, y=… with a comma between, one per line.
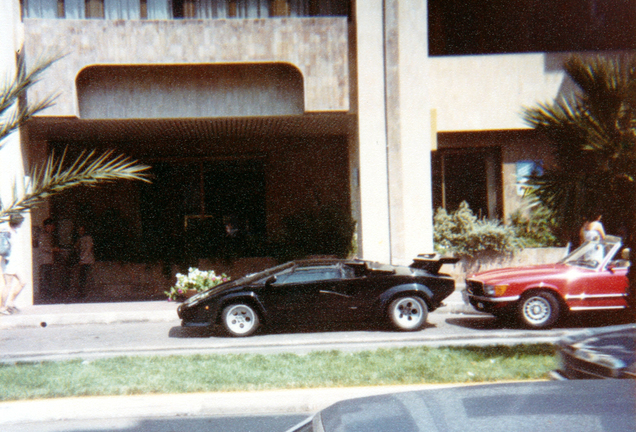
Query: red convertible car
x=593, y=277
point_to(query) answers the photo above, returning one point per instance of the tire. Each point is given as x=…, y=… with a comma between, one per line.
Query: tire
x=240, y=320
x=539, y=310
x=408, y=313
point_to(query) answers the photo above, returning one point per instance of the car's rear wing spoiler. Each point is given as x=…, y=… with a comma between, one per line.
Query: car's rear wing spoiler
x=432, y=262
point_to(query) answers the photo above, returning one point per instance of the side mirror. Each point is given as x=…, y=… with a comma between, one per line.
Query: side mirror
x=270, y=280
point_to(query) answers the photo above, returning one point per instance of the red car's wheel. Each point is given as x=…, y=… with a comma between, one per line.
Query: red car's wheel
x=539, y=310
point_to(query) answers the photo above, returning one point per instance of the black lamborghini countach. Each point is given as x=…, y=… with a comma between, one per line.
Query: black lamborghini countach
x=324, y=291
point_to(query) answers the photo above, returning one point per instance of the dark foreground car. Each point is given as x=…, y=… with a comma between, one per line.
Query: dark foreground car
x=608, y=352
x=324, y=290
x=592, y=278
x=577, y=406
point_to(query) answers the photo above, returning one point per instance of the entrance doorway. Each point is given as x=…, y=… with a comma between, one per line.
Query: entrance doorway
x=204, y=209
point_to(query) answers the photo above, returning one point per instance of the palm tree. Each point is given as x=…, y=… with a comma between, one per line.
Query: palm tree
x=56, y=174
x=593, y=133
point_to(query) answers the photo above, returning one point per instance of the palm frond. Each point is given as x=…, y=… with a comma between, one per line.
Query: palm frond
x=12, y=112
x=89, y=169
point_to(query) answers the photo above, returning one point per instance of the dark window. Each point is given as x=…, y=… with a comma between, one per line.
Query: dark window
x=459, y=27
x=467, y=175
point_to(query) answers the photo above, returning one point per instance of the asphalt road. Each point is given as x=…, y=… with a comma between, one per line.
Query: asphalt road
x=246, y=423
x=89, y=341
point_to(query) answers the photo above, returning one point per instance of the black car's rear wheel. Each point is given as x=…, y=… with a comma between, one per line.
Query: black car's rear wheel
x=408, y=313
x=538, y=310
x=240, y=319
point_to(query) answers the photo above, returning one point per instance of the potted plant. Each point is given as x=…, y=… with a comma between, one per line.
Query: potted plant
x=195, y=281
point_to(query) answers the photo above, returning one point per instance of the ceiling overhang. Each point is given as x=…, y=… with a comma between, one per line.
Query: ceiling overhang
x=129, y=134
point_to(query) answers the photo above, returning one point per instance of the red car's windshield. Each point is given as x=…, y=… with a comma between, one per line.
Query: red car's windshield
x=593, y=254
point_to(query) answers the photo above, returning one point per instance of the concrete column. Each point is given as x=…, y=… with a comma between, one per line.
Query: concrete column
x=374, y=224
x=394, y=129
x=11, y=161
x=409, y=120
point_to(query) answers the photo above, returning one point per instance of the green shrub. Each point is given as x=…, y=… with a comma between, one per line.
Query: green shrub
x=328, y=230
x=463, y=234
x=536, y=227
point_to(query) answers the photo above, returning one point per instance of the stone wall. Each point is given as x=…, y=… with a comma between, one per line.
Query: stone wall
x=115, y=281
x=318, y=47
x=528, y=256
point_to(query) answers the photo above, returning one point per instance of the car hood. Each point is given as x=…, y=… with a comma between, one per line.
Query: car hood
x=213, y=292
x=604, y=344
x=520, y=274
x=600, y=405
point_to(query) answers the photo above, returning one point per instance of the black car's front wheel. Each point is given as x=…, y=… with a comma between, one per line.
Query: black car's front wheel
x=408, y=313
x=240, y=319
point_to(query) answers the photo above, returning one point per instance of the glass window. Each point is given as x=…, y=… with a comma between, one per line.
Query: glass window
x=308, y=275
x=525, y=169
x=158, y=9
x=348, y=272
x=42, y=9
x=121, y=9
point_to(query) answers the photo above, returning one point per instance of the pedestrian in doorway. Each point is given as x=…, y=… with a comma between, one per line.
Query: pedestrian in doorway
x=46, y=257
x=14, y=273
x=84, y=249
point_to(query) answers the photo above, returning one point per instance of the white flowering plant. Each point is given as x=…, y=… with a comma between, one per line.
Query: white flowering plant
x=197, y=280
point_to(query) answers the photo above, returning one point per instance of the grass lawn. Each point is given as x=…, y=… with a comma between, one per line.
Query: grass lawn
x=240, y=372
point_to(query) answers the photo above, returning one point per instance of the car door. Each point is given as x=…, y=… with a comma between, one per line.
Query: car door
x=296, y=296
x=350, y=298
x=601, y=289
x=337, y=297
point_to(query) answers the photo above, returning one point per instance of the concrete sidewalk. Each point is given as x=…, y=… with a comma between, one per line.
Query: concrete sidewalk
x=143, y=311
x=90, y=313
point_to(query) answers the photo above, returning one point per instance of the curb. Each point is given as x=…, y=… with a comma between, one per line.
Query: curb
x=301, y=401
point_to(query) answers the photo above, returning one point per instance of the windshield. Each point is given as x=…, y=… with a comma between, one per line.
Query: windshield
x=246, y=280
x=264, y=274
x=592, y=254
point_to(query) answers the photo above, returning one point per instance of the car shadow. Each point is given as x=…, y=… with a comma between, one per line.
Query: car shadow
x=189, y=332
x=578, y=320
x=277, y=329
x=596, y=319
x=333, y=328
x=479, y=322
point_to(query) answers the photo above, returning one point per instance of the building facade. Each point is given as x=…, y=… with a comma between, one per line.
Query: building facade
x=250, y=111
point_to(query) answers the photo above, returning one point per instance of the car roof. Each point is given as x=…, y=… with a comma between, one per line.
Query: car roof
x=330, y=261
x=318, y=262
